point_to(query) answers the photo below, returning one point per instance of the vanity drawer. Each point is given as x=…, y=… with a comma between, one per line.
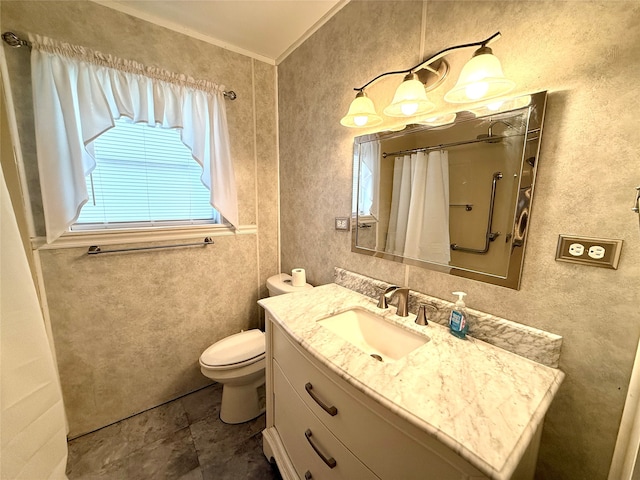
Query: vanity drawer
x=301, y=432
x=387, y=444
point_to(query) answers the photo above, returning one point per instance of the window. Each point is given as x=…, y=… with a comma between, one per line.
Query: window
x=366, y=174
x=110, y=88
x=362, y=189
x=144, y=176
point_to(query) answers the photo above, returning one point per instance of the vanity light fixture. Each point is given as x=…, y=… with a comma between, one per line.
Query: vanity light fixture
x=481, y=78
x=501, y=105
x=361, y=113
x=438, y=121
x=410, y=99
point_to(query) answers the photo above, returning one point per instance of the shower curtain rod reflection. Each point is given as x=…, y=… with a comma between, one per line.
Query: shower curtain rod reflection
x=95, y=250
x=463, y=142
x=13, y=40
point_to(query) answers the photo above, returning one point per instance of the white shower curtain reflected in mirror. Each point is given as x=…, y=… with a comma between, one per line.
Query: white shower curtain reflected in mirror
x=419, y=218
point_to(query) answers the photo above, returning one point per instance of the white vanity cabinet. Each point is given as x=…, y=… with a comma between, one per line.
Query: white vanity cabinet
x=446, y=410
x=320, y=427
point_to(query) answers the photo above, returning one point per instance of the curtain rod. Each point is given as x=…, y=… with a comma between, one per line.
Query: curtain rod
x=463, y=142
x=13, y=40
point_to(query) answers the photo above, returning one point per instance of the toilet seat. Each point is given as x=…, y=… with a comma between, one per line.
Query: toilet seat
x=240, y=349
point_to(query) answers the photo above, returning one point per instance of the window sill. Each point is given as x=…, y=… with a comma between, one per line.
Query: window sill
x=367, y=219
x=128, y=236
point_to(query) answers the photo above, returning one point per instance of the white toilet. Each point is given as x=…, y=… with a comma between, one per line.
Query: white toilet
x=238, y=361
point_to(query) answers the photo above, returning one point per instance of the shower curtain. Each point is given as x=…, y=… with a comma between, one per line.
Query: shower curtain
x=419, y=219
x=33, y=442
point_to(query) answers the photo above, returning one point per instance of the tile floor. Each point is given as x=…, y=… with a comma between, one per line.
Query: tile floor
x=181, y=440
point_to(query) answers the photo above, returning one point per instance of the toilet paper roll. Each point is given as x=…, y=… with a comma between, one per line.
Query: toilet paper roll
x=299, y=277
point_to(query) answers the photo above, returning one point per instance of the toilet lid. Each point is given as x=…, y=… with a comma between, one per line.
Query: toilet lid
x=236, y=348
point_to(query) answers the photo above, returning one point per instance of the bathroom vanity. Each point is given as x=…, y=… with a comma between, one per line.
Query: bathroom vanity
x=442, y=408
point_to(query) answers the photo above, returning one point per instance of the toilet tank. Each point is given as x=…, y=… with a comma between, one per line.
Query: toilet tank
x=282, y=283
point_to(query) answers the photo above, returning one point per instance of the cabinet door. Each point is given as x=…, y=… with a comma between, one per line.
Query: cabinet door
x=313, y=450
x=377, y=437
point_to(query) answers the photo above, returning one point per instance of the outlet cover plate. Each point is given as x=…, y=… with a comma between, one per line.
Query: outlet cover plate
x=609, y=258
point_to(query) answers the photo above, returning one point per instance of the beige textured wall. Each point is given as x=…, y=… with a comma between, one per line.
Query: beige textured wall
x=585, y=54
x=129, y=328
x=266, y=159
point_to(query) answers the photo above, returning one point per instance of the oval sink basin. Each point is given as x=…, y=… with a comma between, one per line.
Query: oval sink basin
x=373, y=334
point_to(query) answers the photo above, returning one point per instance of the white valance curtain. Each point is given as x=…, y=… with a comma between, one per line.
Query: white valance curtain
x=77, y=95
x=419, y=217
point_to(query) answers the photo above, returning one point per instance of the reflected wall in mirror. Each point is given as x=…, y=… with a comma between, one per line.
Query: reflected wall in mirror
x=454, y=198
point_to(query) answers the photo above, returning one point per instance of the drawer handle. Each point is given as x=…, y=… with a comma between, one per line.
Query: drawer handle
x=331, y=462
x=307, y=475
x=331, y=410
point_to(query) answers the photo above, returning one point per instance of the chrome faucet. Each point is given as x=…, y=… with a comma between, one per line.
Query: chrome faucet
x=421, y=317
x=403, y=299
x=383, y=301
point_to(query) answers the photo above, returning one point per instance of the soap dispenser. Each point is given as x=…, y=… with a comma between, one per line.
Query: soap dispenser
x=458, y=324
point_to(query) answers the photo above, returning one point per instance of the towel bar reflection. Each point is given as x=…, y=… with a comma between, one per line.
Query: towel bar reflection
x=467, y=206
x=95, y=250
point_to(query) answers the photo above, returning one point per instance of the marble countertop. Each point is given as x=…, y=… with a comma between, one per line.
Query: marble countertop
x=481, y=401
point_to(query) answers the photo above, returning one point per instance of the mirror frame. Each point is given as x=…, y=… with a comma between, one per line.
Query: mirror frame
x=536, y=111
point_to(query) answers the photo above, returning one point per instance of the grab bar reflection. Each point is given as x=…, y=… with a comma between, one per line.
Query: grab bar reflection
x=490, y=236
x=95, y=250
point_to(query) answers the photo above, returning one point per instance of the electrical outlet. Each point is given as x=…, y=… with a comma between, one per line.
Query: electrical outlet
x=342, y=223
x=576, y=249
x=597, y=252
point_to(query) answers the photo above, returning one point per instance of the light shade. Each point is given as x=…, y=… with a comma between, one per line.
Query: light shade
x=362, y=113
x=502, y=105
x=410, y=99
x=480, y=78
x=439, y=120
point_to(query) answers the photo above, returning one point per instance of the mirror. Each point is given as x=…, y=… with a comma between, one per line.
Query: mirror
x=454, y=197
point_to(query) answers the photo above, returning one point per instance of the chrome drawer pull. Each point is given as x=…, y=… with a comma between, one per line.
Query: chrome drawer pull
x=331, y=462
x=333, y=411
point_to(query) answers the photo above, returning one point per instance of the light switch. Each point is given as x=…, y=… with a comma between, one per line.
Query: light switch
x=342, y=223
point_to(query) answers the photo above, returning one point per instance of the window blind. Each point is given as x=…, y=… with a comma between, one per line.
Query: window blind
x=144, y=174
